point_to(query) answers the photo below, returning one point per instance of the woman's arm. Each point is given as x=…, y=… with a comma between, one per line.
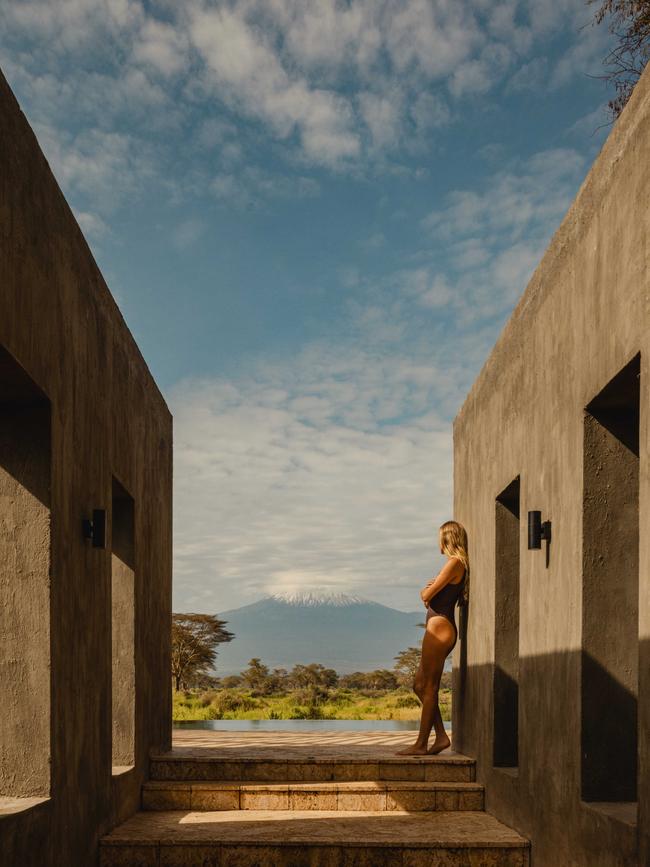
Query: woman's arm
x=451, y=569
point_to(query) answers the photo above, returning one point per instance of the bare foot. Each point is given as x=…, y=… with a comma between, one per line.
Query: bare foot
x=439, y=745
x=415, y=750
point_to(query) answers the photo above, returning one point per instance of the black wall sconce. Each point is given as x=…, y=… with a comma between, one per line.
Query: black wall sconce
x=538, y=530
x=95, y=530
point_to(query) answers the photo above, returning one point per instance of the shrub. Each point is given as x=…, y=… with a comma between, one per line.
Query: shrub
x=229, y=702
x=314, y=712
x=407, y=701
x=297, y=713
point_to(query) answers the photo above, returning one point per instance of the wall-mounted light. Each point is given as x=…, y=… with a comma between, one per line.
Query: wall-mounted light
x=538, y=530
x=95, y=530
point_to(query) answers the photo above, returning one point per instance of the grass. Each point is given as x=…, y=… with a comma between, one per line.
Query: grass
x=398, y=704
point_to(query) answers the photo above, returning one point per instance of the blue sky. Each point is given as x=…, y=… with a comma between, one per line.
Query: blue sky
x=316, y=217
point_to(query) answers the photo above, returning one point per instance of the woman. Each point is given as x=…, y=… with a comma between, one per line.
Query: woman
x=450, y=585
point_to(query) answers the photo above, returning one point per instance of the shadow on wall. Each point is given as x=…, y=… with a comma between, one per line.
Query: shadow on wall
x=572, y=775
x=25, y=430
x=25, y=482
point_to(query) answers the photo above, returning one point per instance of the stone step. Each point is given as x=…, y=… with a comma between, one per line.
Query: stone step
x=316, y=838
x=183, y=767
x=258, y=795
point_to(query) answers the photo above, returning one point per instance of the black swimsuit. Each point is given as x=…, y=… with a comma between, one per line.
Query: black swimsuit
x=445, y=602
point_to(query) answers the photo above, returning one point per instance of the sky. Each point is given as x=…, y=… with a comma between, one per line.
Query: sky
x=316, y=217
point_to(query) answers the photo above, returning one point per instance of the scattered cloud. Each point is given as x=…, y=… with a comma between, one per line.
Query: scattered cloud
x=253, y=188
x=318, y=78
x=161, y=46
x=96, y=167
x=92, y=225
x=329, y=469
x=513, y=202
x=187, y=233
x=487, y=241
x=530, y=77
x=321, y=473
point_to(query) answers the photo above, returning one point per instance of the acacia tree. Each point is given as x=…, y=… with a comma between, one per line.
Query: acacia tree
x=313, y=675
x=629, y=22
x=380, y=678
x=256, y=677
x=195, y=638
x=406, y=664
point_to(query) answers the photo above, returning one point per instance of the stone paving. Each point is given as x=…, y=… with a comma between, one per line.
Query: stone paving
x=352, y=744
x=227, y=798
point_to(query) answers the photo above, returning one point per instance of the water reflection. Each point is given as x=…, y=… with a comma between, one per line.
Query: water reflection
x=303, y=725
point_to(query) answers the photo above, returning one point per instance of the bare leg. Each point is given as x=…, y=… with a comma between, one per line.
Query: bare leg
x=442, y=738
x=438, y=638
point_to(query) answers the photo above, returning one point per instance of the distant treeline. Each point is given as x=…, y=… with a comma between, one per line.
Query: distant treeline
x=314, y=679
x=307, y=692
x=195, y=640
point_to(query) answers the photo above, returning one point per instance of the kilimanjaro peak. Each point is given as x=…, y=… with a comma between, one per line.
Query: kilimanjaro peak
x=311, y=598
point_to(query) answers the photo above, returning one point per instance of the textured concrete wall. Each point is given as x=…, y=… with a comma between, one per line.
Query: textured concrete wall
x=24, y=598
x=123, y=629
x=60, y=323
x=584, y=315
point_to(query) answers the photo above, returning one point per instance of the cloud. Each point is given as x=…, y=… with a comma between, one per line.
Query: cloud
x=162, y=46
x=429, y=111
x=250, y=74
x=382, y=114
x=487, y=241
x=432, y=38
x=315, y=80
x=478, y=76
x=513, y=202
x=530, y=77
x=187, y=233
x=327, y=471
x=253, y=188
x=97, y=167
x=92, y=225
x=582, y=57
x=78, y=26
x=429, y=289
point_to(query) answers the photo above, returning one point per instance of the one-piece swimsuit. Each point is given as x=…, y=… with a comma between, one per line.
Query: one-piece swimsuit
x=445, y=603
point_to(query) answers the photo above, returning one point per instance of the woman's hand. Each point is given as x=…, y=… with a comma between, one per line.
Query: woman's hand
x=449, y=570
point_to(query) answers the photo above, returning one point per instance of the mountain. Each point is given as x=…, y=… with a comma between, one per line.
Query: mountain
x=343, y=632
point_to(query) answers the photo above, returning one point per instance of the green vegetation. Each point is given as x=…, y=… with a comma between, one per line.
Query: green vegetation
x=195, y=639
x=308, y=692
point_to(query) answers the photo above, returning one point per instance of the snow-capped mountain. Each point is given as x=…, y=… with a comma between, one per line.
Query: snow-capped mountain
x=311, y=598
x=347, y=633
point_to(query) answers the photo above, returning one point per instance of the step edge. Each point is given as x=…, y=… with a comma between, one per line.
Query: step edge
x=318, y=760
x=325, y=785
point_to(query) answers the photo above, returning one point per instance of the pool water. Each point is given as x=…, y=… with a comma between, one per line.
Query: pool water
x=304, y=725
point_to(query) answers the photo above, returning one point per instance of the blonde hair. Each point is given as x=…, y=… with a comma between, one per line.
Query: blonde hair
x=453, y=543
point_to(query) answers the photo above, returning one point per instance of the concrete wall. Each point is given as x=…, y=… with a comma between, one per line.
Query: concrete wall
x=584, y=315
x=78, y=409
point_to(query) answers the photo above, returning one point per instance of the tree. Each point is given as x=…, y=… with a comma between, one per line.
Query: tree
x=312, y=675
x=381, y=678
x=406, y=664
x=195, y=638
x=256, y=677
x=353, y=680
x=203, y=681
x=629, y=22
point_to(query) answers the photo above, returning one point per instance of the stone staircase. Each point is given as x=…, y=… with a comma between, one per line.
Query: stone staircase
x=319, y=802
